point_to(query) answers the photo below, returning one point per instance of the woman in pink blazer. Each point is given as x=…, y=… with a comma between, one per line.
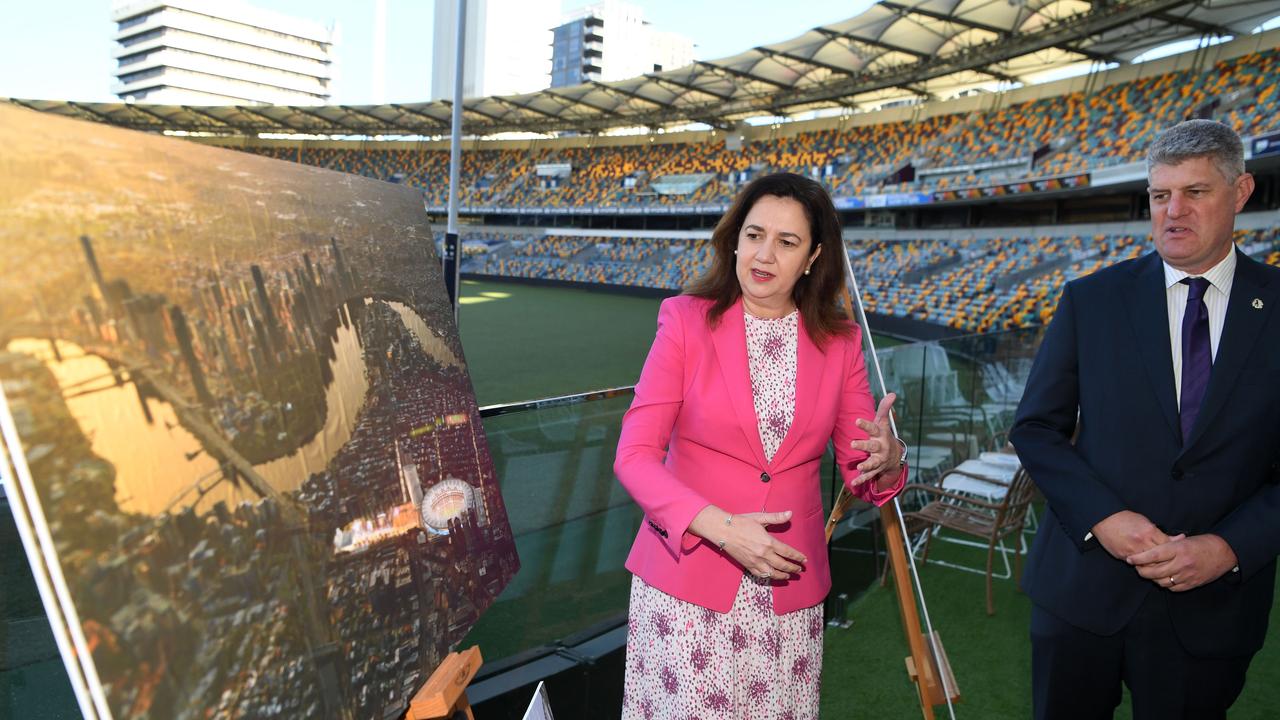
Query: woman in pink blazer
x=752, y=372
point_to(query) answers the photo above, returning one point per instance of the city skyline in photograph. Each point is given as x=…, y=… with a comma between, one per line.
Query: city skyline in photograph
x=241, y=394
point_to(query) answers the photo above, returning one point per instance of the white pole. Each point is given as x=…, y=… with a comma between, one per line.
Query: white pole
x=860, y=315
x=452, y=250
x=379, y=52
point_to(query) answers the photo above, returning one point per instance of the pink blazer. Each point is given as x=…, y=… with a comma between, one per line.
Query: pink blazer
x=690, y=439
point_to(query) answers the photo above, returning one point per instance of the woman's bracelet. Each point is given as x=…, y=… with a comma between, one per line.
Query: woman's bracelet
x=728, y=520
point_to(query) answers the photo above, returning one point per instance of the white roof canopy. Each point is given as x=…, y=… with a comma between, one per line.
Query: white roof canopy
x=897, y=49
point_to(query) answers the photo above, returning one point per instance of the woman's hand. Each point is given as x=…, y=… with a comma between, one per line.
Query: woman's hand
x=885, y=450
x=746, y=540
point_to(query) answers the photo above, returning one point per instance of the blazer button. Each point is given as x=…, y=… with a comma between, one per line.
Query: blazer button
x=764, y=477
x=1176, y=474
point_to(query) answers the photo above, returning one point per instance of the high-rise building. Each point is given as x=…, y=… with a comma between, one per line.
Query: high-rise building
x=508, y=47
x=577, y=51
x=202, y=52
x=610, y=40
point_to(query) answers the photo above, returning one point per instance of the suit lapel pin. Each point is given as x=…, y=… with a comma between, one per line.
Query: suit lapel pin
x=1257, y=303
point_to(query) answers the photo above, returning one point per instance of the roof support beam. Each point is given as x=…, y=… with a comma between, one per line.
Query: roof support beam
x=686, y=86
x=1197, y=25
x=738, y=73
x=807, y=61
x=873, y=43
x=436, y=123
x=249, y=111
x=933, y=14
x=521, y=106
x=197, y=111
x=569, y=103
x=417, y=113
x=84, y=108
x=904, y=10
x=386, y=124
x=716, y=123
x=917, y=91
x=331, y=125
x=999, y=75
x=1091, y=54
x=141, y=108
x=627, y=93
x=468, y=109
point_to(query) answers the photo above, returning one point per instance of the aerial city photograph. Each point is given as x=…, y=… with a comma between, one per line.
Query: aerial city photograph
x=241, y=396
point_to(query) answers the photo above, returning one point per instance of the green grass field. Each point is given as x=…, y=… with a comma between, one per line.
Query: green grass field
x=991, y=656
x=524, y=342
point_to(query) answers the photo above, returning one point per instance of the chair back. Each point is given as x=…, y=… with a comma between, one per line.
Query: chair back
x=1012, y=512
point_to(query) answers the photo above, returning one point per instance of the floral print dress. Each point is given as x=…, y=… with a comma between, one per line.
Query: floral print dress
x=686, y=662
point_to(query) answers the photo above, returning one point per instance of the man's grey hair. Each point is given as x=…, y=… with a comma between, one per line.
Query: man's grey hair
x=1196, y=139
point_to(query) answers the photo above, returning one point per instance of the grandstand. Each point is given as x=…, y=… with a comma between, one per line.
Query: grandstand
x=1079, y=141
x=974, y=146
x=975, y=283
x=935, y=165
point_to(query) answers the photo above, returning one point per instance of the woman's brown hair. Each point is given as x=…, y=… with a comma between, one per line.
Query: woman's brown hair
x=814, y=294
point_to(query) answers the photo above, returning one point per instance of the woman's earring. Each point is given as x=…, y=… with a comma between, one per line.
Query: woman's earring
x=735, y=252
x=806, y=271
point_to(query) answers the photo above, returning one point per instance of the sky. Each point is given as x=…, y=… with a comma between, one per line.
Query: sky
x=61, y=49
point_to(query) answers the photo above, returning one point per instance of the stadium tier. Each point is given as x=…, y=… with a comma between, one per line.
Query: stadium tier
x=979, y=283
x=970, y=285
x=1058, y=137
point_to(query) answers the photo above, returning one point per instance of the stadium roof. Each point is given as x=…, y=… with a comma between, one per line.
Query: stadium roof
x=896, y=49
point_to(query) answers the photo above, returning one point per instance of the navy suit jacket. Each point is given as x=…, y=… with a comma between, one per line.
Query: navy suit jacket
x=1106, y=356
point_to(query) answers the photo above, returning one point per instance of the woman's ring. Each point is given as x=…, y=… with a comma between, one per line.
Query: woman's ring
x=1172, y=582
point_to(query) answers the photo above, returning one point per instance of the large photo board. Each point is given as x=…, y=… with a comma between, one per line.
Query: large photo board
x=242, y=425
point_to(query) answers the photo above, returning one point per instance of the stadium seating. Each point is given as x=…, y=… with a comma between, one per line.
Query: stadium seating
x=972, y=285
x=1050, y=137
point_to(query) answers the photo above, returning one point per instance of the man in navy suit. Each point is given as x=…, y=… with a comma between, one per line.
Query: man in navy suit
x=1151, y=423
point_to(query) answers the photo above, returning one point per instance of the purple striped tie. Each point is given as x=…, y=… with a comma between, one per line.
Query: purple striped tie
x=1197, y=354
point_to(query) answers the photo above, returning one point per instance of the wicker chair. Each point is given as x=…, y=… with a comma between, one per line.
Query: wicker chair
x=991, y=522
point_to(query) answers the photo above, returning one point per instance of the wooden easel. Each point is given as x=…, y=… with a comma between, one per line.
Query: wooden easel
x=930, y=672
x=445, y=693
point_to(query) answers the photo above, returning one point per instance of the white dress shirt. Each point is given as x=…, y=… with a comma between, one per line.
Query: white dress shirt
x=1220, y=277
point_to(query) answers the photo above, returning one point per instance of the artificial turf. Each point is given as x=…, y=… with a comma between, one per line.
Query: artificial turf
x=524, y=342
x=864, y=675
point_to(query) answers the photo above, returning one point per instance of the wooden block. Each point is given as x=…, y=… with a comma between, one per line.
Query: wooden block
x=445, y=691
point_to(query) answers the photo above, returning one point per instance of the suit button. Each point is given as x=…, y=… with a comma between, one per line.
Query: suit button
x=764, y=477
x=1176, y=474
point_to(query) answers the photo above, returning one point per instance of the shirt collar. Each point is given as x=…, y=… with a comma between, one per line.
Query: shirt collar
x=1218, y=276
